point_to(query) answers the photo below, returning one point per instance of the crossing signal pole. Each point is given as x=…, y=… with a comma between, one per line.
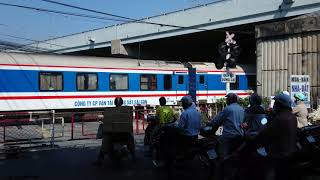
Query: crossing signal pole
x=229, y=51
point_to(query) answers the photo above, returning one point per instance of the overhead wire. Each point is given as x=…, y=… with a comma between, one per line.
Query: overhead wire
x=123, y=18
x=27, y=47
x=50, y=11
x=132, y=20
x=61, y=12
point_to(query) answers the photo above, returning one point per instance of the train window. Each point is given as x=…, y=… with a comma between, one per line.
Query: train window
x=50, y=81
x=119, y=82
x=201, y=79
x=87, y=81
x=235, y=86
x=148, y=82
x=180, y=79
x=167, y=81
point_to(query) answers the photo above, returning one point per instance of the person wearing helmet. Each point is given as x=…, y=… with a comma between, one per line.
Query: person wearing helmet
x=254, y=115
x=230, y=119
x=279, y=137
x=108, y=139
x=286, y=93
x=300, y=110
x=189, y=122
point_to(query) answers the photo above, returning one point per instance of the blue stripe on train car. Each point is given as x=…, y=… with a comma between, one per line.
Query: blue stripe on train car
x=19, y=81
x=214, y=82
x=27, y=81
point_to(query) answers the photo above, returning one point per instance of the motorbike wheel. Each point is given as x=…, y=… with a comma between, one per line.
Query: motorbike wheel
x=204, y=159
x=156, y=161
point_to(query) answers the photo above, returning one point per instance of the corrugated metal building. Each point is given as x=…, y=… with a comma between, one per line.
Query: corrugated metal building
x=287, y=48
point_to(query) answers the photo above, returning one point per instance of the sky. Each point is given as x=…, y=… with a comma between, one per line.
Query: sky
x=35, y=25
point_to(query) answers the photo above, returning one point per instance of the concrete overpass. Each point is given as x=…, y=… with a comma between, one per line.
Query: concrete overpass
x=202, y=25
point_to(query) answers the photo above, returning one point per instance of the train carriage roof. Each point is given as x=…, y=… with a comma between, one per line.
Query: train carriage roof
x=106, y=62
x=83, y=61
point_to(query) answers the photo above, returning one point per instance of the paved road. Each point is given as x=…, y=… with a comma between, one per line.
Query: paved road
x=74, y=161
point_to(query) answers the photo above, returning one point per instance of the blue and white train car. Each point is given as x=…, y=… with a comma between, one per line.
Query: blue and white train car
x=44, y=82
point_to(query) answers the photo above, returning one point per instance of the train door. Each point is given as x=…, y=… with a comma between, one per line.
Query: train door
x=202, y=86
x=181, y=88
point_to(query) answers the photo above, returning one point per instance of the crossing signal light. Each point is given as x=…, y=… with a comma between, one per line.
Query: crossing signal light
x=219, y=62
x=229, y=51
x=229, y=55
x=232, y=56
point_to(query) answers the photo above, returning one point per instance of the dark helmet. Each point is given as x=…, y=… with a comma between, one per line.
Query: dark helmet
x=118, y=101
x=186, y=101
x=282, y=101
x=255, y=100
x=232, y=98
x=162, y=101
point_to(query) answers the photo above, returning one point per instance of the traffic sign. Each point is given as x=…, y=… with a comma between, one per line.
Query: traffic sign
x=228, y=78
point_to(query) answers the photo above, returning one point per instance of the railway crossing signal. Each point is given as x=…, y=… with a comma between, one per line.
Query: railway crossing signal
x=229, y=51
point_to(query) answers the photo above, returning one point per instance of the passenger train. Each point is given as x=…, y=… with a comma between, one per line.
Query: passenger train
x=45, y=82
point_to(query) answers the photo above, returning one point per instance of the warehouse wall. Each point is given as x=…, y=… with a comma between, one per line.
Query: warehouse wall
x=288, y=48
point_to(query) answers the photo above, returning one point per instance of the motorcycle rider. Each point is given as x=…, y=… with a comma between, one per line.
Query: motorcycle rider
x=230, y=119
x=179, y=137
x=253, y=115
x=280, y=137
x=189, y=122
x=300, y=110
x=108, y=140
x=164, y=113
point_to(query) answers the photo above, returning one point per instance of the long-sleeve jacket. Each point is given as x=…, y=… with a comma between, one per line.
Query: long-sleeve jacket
x=280, y=136
x=231, y=119
x=253, y=117
x=301, y=112
x=190, y=121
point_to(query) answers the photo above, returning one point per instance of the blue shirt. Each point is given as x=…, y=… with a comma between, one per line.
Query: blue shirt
x=230, y=118
x=190, y=121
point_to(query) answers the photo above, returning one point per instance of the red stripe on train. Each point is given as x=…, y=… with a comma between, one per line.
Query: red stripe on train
x=106, y=96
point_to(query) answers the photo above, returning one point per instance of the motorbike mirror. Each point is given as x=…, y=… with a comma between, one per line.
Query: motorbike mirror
x=264, y=121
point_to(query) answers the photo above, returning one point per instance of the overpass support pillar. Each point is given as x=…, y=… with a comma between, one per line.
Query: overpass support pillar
x=119, y=49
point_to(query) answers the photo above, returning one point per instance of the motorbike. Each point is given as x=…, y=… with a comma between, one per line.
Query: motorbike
x=307, y=159
x=166, y=148
x=119, y=149
x=152, y=124
x=304, y=163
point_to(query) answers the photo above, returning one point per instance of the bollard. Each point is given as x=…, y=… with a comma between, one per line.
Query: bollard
x=137, y=121
x=72, y=125
x=82, y=127
x=4, y=133
x=145, y=115
x=52, y=134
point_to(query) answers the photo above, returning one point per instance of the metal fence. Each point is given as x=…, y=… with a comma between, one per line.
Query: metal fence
x=48, y=128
